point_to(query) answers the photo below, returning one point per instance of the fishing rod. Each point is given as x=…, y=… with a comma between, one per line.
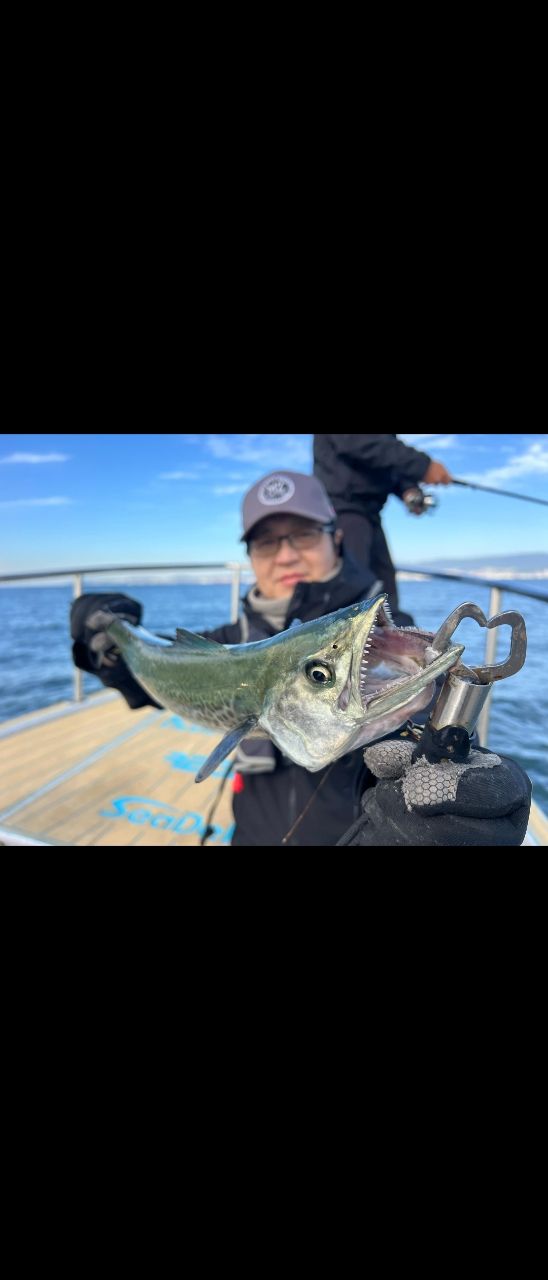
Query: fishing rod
x=504, y=492
x=417, y=501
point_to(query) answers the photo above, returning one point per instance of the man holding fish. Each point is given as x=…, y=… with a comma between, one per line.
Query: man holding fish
x=316, y=669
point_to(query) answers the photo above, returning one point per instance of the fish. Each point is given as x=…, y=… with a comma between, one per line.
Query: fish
x=319, y=689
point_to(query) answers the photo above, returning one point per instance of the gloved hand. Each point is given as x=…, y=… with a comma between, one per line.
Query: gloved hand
x=93, y=648
x=101, y=647
x=485, y=801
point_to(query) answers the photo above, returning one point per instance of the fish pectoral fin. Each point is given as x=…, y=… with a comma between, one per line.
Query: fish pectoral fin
x=189, y=640
x=224, y=747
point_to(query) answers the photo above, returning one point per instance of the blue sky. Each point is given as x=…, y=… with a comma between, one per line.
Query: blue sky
x=81, y=500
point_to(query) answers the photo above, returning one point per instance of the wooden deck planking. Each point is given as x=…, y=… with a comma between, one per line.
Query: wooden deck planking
x=37, y=755
x=87, y=714
x=79, y=815
x=129, y=774
x=40, y=742
x=59, y=710
x=76, y=818
x=92, y=806
x=31, y=774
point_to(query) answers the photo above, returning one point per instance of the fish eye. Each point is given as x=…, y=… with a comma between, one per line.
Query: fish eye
x=319, y=673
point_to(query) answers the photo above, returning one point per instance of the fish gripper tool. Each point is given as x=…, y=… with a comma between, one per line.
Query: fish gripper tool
x=448, y=730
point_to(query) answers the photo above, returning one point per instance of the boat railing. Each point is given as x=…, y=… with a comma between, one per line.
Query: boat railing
x=496, y=593
x=232, y=567
x=236, y=569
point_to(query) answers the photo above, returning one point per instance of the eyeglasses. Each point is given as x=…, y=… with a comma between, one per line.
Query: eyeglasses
x=304, y=540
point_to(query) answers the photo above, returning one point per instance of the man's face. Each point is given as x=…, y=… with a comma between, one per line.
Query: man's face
x=279, y=566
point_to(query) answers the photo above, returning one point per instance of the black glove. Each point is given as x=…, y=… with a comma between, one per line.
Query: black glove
x=93, y=650
x=92, y=647
x=485, y=801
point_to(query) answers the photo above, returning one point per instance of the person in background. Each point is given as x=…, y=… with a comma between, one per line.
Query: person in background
x=359, y=473
x=301, y=572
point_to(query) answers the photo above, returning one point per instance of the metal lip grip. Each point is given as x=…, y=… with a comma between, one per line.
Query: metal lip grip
x=453, y=719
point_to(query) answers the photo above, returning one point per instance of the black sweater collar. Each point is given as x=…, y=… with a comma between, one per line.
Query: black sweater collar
x=313, y=599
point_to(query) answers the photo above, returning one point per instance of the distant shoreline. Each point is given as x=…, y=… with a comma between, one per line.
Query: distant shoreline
x=502, y=575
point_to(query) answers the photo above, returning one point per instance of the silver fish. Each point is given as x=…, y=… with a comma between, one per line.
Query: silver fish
x=318, y=690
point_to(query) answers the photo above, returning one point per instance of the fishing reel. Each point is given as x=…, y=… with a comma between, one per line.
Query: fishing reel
x=417, y=501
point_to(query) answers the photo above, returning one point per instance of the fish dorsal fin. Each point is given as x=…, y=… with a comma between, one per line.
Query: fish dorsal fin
x=200, y=644
x=296, y=623
x=224, y=747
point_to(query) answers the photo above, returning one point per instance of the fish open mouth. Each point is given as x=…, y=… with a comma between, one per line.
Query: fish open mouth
x=398, y=663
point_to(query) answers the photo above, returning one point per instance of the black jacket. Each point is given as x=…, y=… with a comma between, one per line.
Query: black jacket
x=359, y=472
x=269, y=803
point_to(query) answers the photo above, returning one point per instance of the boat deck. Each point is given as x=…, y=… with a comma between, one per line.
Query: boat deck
x=96, y=773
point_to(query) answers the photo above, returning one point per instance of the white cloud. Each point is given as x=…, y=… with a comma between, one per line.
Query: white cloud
x=266, y=452
x=35, y=457
x=177, y=475
x=534, y=461
x=434, y=441
x=231, y=488
x=443, y=442
x=408, y=439
x=36, y=502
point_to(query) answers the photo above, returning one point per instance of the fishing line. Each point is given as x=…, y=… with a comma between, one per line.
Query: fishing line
x=209, y=829
x=298, y=820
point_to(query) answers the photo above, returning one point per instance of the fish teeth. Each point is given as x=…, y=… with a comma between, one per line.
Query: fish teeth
x=364, y=661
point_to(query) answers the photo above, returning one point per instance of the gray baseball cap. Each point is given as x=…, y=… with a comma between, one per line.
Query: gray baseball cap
x=286, y=493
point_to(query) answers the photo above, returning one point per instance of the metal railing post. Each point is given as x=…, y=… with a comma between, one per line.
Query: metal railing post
x=78, y=677
x=495, y=604
x=235, y=592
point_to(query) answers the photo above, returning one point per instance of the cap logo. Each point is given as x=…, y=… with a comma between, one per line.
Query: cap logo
x=275, y=490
